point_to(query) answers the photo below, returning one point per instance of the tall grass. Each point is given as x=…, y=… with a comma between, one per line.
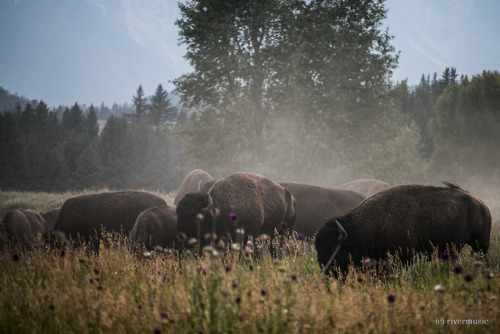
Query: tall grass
x=233, y=290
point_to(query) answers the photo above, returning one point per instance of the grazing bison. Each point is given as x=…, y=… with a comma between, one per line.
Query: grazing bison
x=156, y=226
x=115, y=211
x=51, y=218
x=19, y=225
x=316, y=204
x=259, y=204
x=192, y=182
x=365, y=187
x=403, y=219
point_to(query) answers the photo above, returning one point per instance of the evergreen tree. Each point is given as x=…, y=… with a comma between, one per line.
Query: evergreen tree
x=91, y=125
x=140, y=103
x=161, y=109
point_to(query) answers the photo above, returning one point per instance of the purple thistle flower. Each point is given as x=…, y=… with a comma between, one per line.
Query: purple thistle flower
x=444, y=255
x=181, y=236
x=15, y=257
x=250, y=267
x=294, y=277
x=237, y=300
x=391, y=298
x=91, y=279
x=468, y=277
x=457, y=269
x=234, y=285
x=62, y=253
x=232, y=216
x=156, y=331
x=301, y=236
x=228, y=268
x=283, y=225
x=263, y=292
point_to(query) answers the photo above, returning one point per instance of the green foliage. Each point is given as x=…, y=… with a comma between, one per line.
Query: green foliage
x=466, y=131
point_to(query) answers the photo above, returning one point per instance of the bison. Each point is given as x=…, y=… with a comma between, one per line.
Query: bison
x=51, y=218
x=316, y=204
x=402, y=220
x=250, y=201
x=115, y=211
x=365, y=187
x=192, y=182
x=19, y=225
x=156, y=226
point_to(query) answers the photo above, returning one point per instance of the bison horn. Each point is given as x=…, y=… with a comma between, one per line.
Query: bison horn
x=210, y=203
x=343, y=234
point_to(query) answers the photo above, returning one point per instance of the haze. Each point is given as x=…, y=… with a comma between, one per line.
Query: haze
x=94, y=51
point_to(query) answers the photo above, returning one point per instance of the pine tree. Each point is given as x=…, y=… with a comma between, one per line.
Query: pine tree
x=161, y=109
x=140, y=103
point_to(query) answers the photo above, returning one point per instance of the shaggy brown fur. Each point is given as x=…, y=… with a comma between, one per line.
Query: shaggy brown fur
x=115, y=211
x=404, y=219
x=156, y=226
x=191, y=183
x=260, y=205
x=316, y=204
x=19, y=225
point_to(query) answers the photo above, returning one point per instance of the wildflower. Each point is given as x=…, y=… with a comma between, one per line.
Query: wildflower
x=233, y=217
x=215, y=212
x=360, y=279
x=439, y=288
x=228, y=268
x=192, y=242
x=226, y=236
x=263, y=292
x=181, y=236
x=250, y=267
x=294, y=277
x=457, y=269
x=391, y=298
x=221, y=244
x=91, y=279
x=301, y=236
x=240, y=231
x=454, y=255
x=236, y=246
x=15, y=257
x=237, y=300
x=146, y=254
x=444, y=255
x=489, y=275
x=62, y=253
x=199, y=217
x=468, y=277
x=96, y=271
x=156, y=331
x=234, y=285
x=283, y=225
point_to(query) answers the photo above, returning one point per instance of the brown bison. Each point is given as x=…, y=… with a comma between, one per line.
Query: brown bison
x=316, y=204
x=365, y=187
x=51, y=218
x=115, y=211
x=19, y=225
x=192, y=182
x=156, y=226
x=405, y=219
x=250, y=201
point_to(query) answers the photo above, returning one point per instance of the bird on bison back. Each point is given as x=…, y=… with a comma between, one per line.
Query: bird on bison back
x=253, y=202
x=403, y=220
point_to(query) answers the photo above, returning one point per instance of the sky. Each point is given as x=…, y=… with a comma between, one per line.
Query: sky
x=100, y=51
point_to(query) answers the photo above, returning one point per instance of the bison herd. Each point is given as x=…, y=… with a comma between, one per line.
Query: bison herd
x=360, y=219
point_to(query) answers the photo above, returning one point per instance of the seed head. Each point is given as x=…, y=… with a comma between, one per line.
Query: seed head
x=391, y=298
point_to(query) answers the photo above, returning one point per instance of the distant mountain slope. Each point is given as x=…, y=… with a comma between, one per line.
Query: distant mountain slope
x=9, y=101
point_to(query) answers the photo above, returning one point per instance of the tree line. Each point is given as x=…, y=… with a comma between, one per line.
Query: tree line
x=42, y=150
x=291, y=89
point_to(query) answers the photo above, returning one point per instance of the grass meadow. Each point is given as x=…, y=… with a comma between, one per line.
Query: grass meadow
x=235, y=289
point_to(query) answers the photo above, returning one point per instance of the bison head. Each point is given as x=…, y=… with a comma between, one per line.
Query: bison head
x=194, y=215
x=333, y=247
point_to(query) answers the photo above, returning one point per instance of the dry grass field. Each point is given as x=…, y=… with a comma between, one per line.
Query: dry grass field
x=234, y=289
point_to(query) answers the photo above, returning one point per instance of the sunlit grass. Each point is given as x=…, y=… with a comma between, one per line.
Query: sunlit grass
x=123, y=290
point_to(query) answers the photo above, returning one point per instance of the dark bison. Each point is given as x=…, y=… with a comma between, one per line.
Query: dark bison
x=316, y=204
x=365, y=187
x=403, y=219
x=156, y=226
x=259, y=206
x=51, y=218
x=19, y=225
x=192, y=182
x=115, y=211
